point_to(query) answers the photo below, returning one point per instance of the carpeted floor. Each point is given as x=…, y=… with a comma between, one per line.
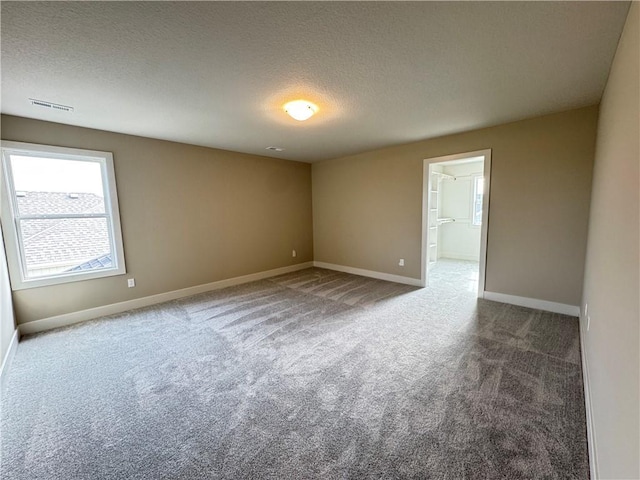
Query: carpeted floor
x=313, y=374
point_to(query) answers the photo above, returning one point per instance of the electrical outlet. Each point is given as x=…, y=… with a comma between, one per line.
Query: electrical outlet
x=294, y=253
x=401, y=262
x=131, y=282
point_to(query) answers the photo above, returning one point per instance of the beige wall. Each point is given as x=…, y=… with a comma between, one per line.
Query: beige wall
x=612, y=279
x=190, y=215
x=367, y=207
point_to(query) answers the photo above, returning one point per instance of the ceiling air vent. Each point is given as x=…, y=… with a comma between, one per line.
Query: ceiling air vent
x=52, y=106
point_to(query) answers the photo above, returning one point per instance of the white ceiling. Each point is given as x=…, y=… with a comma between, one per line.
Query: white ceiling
x=382, y=73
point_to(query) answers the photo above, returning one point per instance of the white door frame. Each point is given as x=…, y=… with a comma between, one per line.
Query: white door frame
x=424, y=273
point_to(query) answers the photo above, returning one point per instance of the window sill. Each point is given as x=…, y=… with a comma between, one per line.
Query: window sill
x=62, y=279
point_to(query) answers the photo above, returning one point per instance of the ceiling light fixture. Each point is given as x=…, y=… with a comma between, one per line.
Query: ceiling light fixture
x=300, y=109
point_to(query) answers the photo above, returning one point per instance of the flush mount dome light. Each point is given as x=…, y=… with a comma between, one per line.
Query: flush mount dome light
x=300, y=109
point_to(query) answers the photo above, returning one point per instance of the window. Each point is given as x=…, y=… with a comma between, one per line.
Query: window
x=476, y=200
x=60, y=215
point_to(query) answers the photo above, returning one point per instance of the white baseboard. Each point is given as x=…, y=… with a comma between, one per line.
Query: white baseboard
x=91, y=313
x=8, y=358
x=554, y=307
x=460, y=256
x=591, y=434
x=416, y=282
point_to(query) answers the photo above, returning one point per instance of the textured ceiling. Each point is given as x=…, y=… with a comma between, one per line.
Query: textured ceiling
x=382, y=73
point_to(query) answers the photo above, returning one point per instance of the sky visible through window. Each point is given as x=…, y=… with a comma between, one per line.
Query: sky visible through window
x=40, y=174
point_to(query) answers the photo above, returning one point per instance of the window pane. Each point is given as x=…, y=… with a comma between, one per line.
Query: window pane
x=55, y=186
x=478, y=188
x=66, y=245
x=477, y=214
x=64, y=224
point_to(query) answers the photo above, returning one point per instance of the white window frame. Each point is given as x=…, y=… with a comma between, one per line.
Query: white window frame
x=10, y=215
x=474, y=194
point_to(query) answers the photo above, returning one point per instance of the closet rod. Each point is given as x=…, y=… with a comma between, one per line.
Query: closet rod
x=468, y=176
x=445, y=176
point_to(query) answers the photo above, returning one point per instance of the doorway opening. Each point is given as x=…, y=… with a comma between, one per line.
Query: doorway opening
x=455, y=219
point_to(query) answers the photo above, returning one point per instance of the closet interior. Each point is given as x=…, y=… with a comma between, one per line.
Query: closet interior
x=455, y=210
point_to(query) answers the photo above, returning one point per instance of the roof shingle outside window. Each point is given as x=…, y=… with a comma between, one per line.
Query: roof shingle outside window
x=59, y=241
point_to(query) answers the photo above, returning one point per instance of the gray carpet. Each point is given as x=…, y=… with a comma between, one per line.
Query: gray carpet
x=314, y=374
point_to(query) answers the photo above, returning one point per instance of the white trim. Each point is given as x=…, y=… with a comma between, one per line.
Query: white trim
x=91, y=313
x=591, y=433
x=554, y=307
x=426, y=194
x=484, y=228
x=416, y=282
x=8, y=358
